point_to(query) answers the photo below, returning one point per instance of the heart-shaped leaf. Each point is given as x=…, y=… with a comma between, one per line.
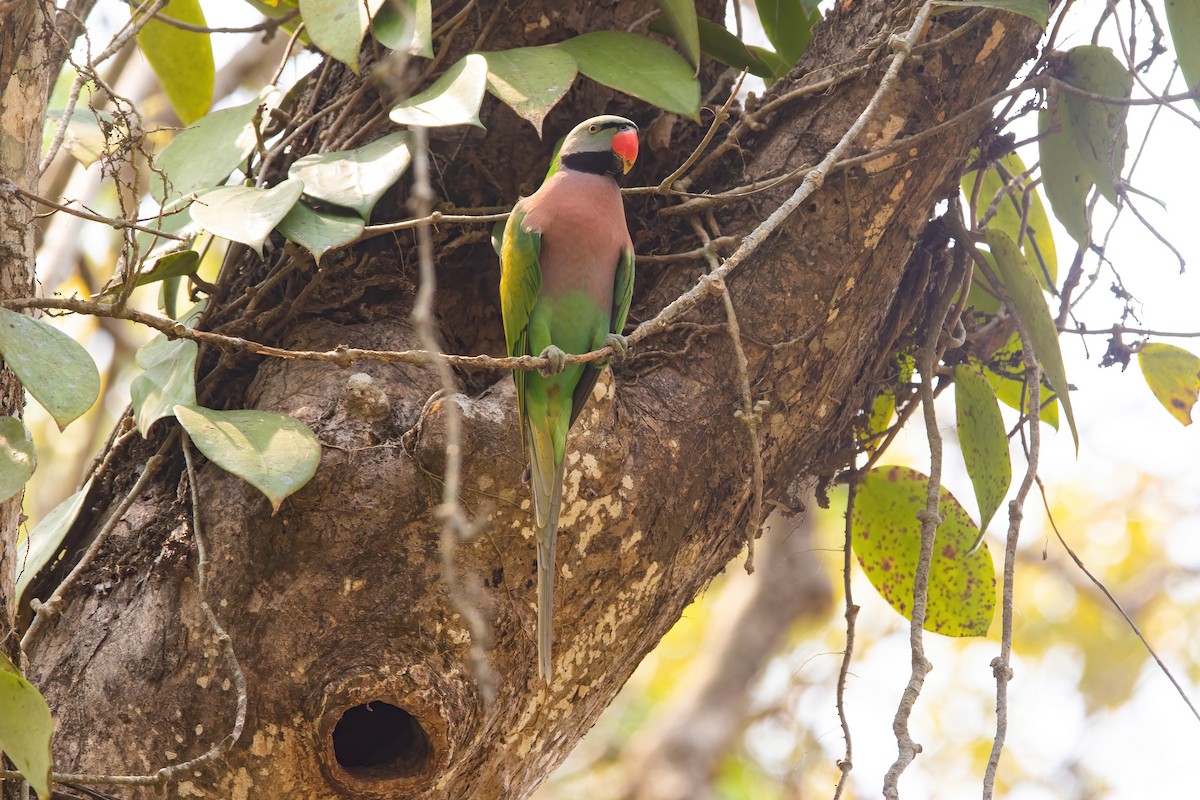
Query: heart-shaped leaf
x=246, y=214
x=169, y=380
x=18, y=459
x=203, y=155
x=530, y=80
x=273, y=453
x=1030, y=305
x=680, y=16
x=337, y=26
x=41, y=547
x=983, y=440
x=453, y=99
x=788, y=26
x=182, y=60
x=318, y=232
x=886, y=538
x=355, y=178
x=54, y=368
x=405, y=25
x=1173, y=374
x=26, y=727
x=638, y=66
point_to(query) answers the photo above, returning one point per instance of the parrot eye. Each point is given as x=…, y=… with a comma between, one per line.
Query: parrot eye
x=593, y=128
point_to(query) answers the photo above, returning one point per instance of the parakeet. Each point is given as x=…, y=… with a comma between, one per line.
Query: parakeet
x=566, y=279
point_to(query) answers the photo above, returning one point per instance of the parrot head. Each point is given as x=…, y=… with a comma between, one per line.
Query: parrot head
x=606, y=145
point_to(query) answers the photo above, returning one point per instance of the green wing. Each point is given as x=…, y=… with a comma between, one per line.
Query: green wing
x=622, y=295
x=520, y=284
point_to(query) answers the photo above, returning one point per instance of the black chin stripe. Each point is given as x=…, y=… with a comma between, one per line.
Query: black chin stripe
x=594, y=162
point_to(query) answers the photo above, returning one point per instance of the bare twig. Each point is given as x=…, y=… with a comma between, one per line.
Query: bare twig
x=846, y=762
x=455, y=525
x=7, y=185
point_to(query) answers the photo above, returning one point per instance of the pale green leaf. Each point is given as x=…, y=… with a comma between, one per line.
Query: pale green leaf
x=788, y=26
x=1036, y=10
x=246, y=214
x=1005, y=371
x=318, y=232
x=638, y=66
x=18, y=459
x=1038, y=244
x=84, y=137
x=205, y=153
x=53, y=367
x=1030, y=305
x=26, y=727
x=530, y=80
x=1098, y=128
x=1183, y=18
x=405, y=25
x=169, y=265
x=1064, y=174
x=168, y=380
x=1173, y=374
x=43, y=544
x=983, y=439
x=273, y=453
x=182, y=60
x=453, y=99
x=337, y=26
x=886, y=539
x=355, y=178
x=680, y=16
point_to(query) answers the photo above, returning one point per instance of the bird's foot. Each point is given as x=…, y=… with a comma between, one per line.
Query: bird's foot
x=557, y=359
x=620, y=348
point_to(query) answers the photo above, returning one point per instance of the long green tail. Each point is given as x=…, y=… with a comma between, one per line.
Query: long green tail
x=546, y=480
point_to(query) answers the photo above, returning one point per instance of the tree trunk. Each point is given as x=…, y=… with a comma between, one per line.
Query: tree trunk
x=357, y=669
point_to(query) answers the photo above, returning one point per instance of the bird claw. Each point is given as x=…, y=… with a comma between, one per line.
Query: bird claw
x=557, y=359
x=620, y=348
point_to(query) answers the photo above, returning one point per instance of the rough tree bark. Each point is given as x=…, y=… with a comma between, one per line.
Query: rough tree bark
x=338, y=601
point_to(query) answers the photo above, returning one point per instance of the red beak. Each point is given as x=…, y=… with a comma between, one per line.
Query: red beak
x=625, y=146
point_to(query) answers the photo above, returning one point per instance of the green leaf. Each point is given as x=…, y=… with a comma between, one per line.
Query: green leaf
x=182, y=60
x=774, y=66
x=1005, y=371
x=318, y=232
x=1036, y=10
x=638, y=66
x=165, y=267
x=168, y=380
x=43, y=544
x=405, y=25
x=1098, y=128
x=53, y=367
x=680, y=16
x=203, y=155
x=1030, y=305
x=983, y=439
x=355, y=178
x=1183, y=18
x=453, y=99
x=1173, y=374
x=273, y=453
x=246, y=214
x=1064, y=174
x=788, y=25
x=530, y=80
x=337, y=26
x=18, y=459
x=26, y=727
x=1038, y=241
x=886, y=538
x=84, y=138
